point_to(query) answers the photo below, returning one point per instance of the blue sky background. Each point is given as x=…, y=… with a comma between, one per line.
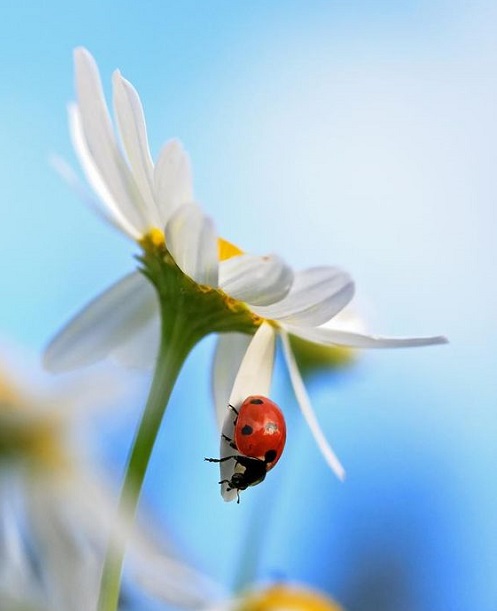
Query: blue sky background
x=360, y=134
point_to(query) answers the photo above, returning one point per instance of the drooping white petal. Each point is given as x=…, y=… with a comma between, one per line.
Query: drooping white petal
x=317, y=294
x=253, y=378
x=173, y=183
x=102, y=146
x=339, y=337
x=256, y=370
x=192, y=240
x=230, y=350
x=256, y=280
x=110, y=210
x=307, y=411
x=131, y=121
x=103, y=325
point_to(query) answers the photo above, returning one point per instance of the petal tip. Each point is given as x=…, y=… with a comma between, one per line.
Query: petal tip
x=176, y=145
x=228, y=495
x=117, y=77
x=120, y=82
x=48, y=362
x=81, y=54
x=437, y=340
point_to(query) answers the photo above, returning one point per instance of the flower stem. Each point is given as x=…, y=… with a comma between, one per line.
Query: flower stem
x=177, y=340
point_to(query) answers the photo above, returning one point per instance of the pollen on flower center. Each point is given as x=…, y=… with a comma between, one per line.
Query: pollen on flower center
x=31, y=437
x=156, y=237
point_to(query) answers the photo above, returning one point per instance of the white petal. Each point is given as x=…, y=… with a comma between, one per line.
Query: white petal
x=148, y=561
x=102, y=145
x=338, y=337
x=103, y=324
x=172, y=180
x=167, y=578
x=307, y=411
x=18, y=581
x=69, y=562
x=253, y=378
x=110, y=210
x=317, y=294
x=256, y=370
x=347, y=320
x=230, y=350
x=256, y=280
x=131, y=122
x=191, y=239
x=141, y=348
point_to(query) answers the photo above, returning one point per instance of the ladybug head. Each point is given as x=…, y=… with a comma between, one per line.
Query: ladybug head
x=254, y=471
x=239, y=481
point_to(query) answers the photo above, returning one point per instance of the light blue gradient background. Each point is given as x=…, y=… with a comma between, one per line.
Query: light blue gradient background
x=361, y=134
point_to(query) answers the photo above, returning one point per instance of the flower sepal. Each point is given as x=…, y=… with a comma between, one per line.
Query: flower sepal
x=207, y=309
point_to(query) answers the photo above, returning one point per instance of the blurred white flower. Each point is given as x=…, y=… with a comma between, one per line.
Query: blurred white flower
x=56, y=516
x=154, y=206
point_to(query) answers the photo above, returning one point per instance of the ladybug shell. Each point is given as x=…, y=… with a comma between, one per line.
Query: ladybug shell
x=260, y=428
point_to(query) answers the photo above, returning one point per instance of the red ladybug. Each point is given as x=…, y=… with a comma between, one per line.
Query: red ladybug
x=260, y=430
x=259, y=439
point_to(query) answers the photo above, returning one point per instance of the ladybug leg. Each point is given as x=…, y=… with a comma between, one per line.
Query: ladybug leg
x=220, y=459
x=233, y=410
x=229, y=441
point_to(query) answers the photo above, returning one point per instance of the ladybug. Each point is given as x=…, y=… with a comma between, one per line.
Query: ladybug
x=259, y=439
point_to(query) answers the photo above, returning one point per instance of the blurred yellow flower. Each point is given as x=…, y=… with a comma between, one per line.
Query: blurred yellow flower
x=56, y=515
x=288, y=597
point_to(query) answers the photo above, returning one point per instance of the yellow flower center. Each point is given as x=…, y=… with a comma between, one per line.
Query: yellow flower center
x=156, y=237
x=210, y=309
x=226, y=250
x=8, y=391
x=289, y=598
x=25, y=433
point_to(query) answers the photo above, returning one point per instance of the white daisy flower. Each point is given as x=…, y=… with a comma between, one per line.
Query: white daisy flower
x=56, y=516
x=222, y=289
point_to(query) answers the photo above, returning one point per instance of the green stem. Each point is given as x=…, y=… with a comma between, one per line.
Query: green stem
x=176, y=342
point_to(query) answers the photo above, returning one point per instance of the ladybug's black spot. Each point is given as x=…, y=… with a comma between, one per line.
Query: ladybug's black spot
x=247, y=430
x=257, y=402
x=270, y=455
